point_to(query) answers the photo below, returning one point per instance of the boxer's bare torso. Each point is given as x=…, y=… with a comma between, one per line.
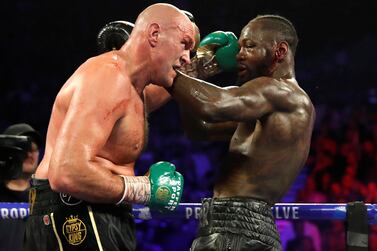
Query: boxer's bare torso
x=265, y=155
x=268, y=123
x=98, y=128
x=122, y=144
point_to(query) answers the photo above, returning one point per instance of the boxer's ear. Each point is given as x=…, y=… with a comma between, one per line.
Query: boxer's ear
x=153, y=33
x=281, y=50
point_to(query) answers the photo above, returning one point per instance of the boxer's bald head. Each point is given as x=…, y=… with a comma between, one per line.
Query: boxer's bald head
x=197, y=36
x=163, y=36
x=162, y=14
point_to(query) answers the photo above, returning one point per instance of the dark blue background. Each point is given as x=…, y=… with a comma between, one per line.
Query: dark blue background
x=43, y=42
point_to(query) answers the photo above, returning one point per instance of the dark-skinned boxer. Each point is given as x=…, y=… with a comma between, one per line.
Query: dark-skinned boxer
x=267, y=120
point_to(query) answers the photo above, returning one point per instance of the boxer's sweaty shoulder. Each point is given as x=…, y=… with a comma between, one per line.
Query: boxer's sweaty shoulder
x=99, y=101
x=127, y=137
x=266, y=154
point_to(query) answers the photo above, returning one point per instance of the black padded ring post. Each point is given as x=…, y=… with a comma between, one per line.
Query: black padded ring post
x=357, y=227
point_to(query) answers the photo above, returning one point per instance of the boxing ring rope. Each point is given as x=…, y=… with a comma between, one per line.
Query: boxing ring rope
x=286, y=211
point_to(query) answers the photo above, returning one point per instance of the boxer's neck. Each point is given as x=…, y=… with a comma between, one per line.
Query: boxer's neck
x=136, y=58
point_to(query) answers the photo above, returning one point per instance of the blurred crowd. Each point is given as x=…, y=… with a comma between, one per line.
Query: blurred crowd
x=342, y=166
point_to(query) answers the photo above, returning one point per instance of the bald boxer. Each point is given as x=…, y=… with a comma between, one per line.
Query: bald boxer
x=268, y=121
x=86, y=180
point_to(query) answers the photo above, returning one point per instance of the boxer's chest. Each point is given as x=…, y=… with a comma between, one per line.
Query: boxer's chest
x=128, y=137
x=242, y=140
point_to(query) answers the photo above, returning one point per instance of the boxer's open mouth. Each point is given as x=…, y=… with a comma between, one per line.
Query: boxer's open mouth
x=242, y=69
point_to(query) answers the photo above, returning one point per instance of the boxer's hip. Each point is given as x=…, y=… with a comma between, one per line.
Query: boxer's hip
x=246, y=219
x=67, y=223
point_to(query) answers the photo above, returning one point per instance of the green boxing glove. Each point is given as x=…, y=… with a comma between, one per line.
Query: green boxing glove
x=216, y=53
x=225, y=45
x=166, y=187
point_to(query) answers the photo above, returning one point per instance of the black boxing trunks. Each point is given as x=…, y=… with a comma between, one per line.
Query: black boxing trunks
x=236, y=223
x=59, y=222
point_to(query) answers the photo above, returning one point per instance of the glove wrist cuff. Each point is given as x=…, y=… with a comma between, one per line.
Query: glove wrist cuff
x=137, y=189
x=202, y=67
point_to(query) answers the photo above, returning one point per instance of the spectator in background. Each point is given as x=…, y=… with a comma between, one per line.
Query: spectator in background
x=311, y=193
x=367, y=166
x=333, y=237
x=372, y=238
x=307, y=237
x=12, y=230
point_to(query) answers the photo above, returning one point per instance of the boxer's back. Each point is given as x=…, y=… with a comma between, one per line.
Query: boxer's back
x=266, y=155
x=125, y=140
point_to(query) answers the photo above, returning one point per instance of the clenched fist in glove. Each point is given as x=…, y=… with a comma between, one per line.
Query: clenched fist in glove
x=216, y=53
x=161, y=189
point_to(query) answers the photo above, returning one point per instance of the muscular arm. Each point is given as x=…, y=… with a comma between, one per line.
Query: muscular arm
x=251, y=101
x=75, y=167
x=155, y=97
x=198, y=129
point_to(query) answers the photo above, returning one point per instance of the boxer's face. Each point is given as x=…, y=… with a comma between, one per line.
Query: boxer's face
x=255, y=55
x=175, y=43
